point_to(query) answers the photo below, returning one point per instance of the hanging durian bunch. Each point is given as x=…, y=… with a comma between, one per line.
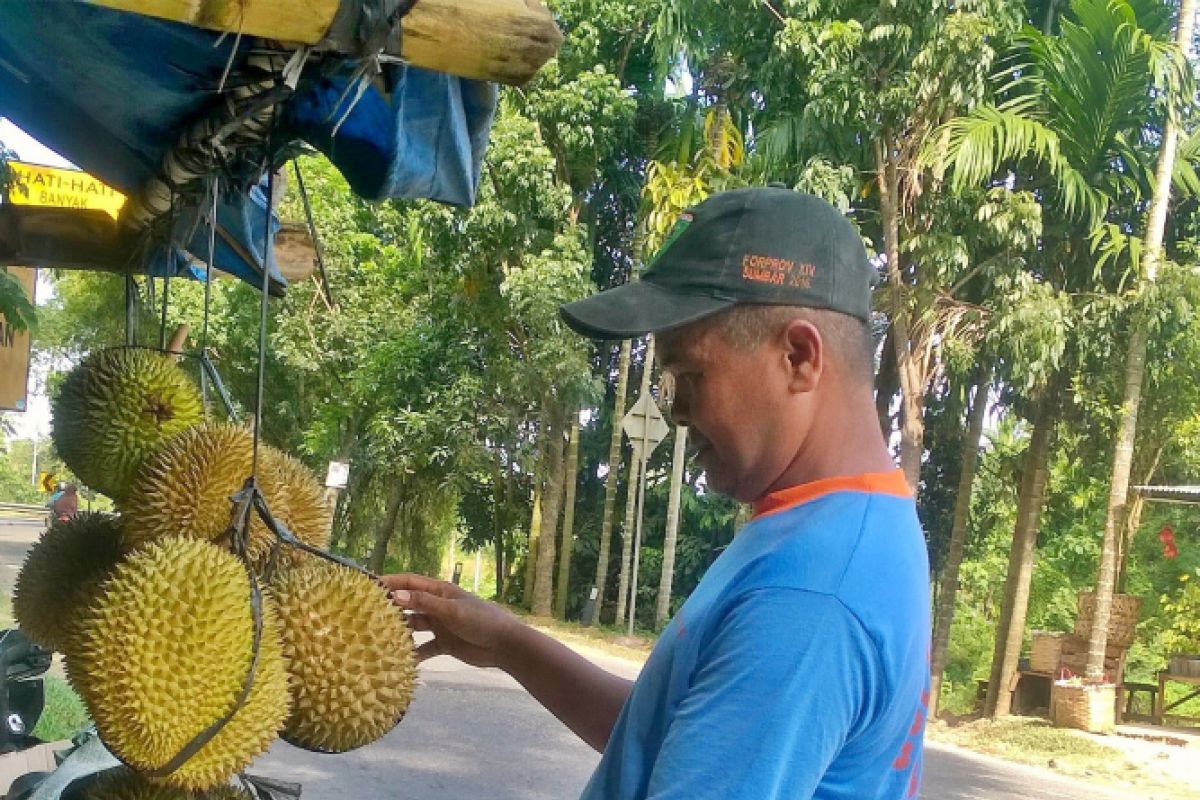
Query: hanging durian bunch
x=176, y=628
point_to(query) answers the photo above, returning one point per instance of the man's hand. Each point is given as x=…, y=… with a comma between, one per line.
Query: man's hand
x=483, y=634
x=463, y=626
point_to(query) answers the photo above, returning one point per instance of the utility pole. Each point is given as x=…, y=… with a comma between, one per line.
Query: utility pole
x=33, y=473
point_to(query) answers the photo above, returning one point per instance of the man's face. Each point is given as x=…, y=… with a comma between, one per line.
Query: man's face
x=736, y=405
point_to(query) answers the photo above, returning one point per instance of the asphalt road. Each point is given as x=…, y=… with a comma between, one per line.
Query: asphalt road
x=16, y=536
x=476, y=735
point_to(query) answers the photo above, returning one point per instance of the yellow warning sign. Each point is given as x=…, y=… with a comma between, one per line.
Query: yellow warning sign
x=36, y=185
x=46, y=482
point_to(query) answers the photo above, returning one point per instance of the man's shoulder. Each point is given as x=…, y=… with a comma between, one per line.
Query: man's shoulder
x=816, y=546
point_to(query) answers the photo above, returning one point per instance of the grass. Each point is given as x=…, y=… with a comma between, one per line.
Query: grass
x=1071, y=753
x=64, y=714
x=608, y=640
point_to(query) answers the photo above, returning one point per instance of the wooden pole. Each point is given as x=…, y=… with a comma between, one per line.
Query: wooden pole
x=505, y=41
x=178, y=340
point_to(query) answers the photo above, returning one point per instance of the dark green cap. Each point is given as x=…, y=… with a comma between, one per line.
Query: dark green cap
x=760, y=245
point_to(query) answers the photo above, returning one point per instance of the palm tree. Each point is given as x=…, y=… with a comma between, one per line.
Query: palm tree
x=1072, y=128
x=568, y=531
x=1135, y=371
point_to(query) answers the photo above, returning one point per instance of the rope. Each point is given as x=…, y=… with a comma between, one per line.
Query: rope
x=312, y=231
x=263, y=306
x=214, y=188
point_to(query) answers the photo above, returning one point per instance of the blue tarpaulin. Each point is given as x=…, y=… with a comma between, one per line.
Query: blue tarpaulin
x=113, y=91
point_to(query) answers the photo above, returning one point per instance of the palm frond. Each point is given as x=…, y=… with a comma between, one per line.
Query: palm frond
x=992, y=138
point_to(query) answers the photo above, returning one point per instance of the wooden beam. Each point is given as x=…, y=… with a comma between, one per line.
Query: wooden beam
x=506, y=41
x=67, y=238
x=271, y=19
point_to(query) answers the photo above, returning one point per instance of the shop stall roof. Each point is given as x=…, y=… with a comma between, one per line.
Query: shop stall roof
x=158, y=109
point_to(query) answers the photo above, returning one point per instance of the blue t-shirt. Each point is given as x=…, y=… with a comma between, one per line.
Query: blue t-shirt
x=798, y=668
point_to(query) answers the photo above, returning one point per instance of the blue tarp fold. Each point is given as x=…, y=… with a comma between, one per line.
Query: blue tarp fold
x=113, y=91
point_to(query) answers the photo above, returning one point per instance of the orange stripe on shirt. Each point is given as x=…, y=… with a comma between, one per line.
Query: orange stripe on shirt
x=890, y=483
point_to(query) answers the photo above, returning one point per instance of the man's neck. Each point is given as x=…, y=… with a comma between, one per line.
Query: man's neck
x=846, y=441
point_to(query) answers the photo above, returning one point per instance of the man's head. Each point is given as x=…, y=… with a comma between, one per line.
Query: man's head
x=751, y=384
x=760, y=301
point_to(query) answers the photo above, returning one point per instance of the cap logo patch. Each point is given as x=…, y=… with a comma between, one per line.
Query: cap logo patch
x=681, y=225
x=777, y=271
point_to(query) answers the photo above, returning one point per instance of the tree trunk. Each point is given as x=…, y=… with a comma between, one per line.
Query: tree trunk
x=1135, y=371
x=1010, y=632
x=498, y=494
x=543, y=584
x=1133, y=519
x=535, y=535
x=912, y=391
x=663, y=608
x=349, y=439
x=631, y=500
x=1118, y=491
x=614, y=474
x=948, y=586
x=887, y=383
x=387, y=527
x=568, y=534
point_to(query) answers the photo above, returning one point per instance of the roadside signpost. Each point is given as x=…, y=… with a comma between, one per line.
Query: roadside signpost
x=646, y=427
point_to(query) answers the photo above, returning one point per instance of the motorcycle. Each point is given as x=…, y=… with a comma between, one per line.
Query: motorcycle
x=22, y=699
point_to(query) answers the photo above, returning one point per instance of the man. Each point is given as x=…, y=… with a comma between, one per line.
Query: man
x=798, y=667
x=64, y=504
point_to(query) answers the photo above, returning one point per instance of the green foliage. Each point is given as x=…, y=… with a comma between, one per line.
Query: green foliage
x=15, y=307
x=1182, y=633
x=1023, y=162
x=64, y=714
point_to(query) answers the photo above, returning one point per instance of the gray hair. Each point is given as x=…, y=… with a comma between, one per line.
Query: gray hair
x=847, y=338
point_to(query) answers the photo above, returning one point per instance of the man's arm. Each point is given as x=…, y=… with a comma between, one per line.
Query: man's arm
x=586, y=698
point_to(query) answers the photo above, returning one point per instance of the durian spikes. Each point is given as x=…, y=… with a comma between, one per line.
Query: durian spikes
x=61, y=574
x=349, y=654
x=304, y=511
x=125, y=784
x=185, y=489
x=116, y=408
x=165, y=652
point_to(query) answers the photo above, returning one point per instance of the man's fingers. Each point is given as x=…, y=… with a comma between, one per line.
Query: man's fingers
x=408, y=581
x=424, y=603
x=418, y=622
x=428, y=650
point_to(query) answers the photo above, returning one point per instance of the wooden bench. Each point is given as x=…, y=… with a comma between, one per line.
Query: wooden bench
x=1160, y=711
x=1130, y=691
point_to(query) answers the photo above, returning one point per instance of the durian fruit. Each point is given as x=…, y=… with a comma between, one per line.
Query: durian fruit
x=164, y=652
x=185, y=489
x=349, y=654
x=116, y=408
x=125, y=784
x=304, y=512
x=61, y=574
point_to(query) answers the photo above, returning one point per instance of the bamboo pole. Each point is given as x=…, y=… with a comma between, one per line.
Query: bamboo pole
x=505, y=41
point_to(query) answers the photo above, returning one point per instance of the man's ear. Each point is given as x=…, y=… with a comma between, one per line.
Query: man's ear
x=805, y=352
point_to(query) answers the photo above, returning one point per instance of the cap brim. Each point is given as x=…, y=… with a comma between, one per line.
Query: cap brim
x=637, y=308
